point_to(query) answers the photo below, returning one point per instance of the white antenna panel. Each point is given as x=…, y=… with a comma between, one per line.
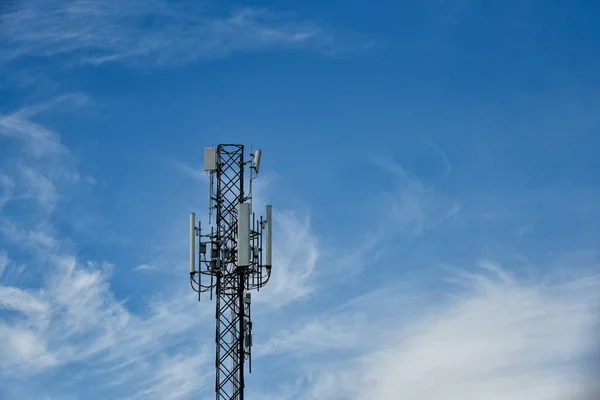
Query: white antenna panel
x=210, y=159
x=257, y=156
x=243, y=244
x=192, y=243
x=269, y=236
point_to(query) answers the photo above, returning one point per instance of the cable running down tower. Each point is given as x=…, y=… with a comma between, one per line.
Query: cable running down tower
x=230, y=260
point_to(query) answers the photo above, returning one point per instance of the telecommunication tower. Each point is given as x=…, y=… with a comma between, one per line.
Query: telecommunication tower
x=230, y=260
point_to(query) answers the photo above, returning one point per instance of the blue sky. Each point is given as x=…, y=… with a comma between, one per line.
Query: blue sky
x=432, y=167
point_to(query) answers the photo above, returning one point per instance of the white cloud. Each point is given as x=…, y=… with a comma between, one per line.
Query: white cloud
x=285, y=391
x=412, y=207
x=39, y=140
x=75, y=317
x=260, y=190
x=177, y=377
x=150, y=32
x=197, y=173
x=399, y=215
x=442, y=155
x=42, y=170
x=20, y=300
x=495, y=338
x=39, y=187
x=315, y=336
x=7, y=185
x=23, y=349
x=68, y=313
x=4, y=260
x=295, y=255
x=144, y=267
x=38, y=240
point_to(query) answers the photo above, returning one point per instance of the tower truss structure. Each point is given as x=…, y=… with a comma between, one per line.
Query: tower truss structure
x=230, y=260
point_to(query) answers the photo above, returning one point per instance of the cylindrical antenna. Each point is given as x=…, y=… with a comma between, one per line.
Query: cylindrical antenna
x=192, y=243
x=243, y=245
x=269, y=235
x=260, y=263
x=250, y=170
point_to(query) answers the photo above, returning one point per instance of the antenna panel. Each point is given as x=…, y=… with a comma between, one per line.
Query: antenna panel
x=257, y=156
x=243, y=244
x=192, y=243
x=269, y=235
x=210, y=159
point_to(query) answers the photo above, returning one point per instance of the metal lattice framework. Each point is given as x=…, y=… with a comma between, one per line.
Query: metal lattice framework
x=230, y=282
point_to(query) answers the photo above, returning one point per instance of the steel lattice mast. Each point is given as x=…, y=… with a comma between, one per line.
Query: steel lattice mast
x=231, y=260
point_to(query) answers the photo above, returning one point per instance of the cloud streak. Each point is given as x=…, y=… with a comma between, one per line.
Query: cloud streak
x=145, y=267
x=498, y=339
x=62, y=310
x=492, y=336
x=295, y=258
x=150, y=32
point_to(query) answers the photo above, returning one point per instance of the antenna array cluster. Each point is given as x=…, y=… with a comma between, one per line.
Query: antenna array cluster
x=231, y=259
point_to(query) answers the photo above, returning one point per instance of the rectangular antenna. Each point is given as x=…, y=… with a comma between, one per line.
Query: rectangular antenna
x=243, y=245
x=257, y=156
x=192, y=243
x=269, y=235
x=210, y=159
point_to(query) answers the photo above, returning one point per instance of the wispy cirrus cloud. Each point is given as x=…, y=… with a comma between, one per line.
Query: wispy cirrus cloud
x=197, y=174
x=145, y=267
x=498, y=337
x=295, y=257
x=38, y=140
x=62, y=310
x=75, y=318
x=7, y=184
x=493, y=335
x=41, y=188
x=413, y=206
x=151, y=32
x=403, y=212
x=3, y=262
x=177, y=377
x=312, y=336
